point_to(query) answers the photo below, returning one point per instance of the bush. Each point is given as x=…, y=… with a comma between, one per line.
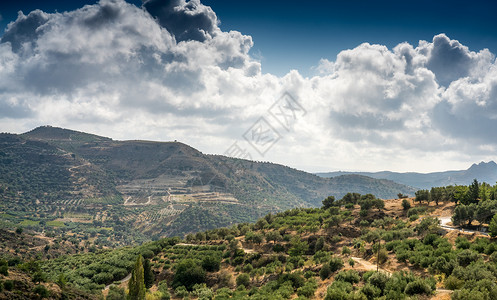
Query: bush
x=418, y=286
x=336, y=263
x=466, y=294
x=462, y=243
x=181, y=292
x=4, y=270
x=188, y=273
x=382, y=256
x=243, y=279
x=413, y=218
x=465, y=257
x=379, y=280
x=338, y=290
x=364, y=223
x=308, y=289
x=416, y=211
x=325, y=271
x=309, y=274
x=453, y=283
x=351, y=262
x=8, y=285
x=247, y=268
x=162, y=288
x=406, y=204
x=371, y=291
x=346, y=251
x=278, y=248
x=211, y=263
x=41, y=290
x=350, y=276
x=116, y=293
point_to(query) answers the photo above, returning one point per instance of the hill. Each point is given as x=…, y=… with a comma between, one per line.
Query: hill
x=63, y=181
x=483, y=172
x=348, y=250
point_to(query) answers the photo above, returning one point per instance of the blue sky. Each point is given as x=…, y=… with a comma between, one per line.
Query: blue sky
x=296, y=35
x=383, y=85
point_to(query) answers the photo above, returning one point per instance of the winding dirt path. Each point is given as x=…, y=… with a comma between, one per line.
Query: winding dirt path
x=120, y=281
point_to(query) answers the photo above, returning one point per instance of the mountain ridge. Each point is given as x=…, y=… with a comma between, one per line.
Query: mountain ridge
x=483, y=172
x=157, y=188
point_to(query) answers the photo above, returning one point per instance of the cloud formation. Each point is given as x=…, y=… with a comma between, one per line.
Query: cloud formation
x=167, y=71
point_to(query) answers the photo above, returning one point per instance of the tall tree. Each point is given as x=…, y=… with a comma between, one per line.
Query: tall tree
x=474, y=192
x=328, y=202
x=136, y=284
x=423, y=195
x=492, y=228
x=148, y=274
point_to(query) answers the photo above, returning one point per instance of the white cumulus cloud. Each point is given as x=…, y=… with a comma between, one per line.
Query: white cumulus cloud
x=166, y=71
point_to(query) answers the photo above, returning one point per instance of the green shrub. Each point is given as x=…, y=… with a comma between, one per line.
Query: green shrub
x=364, y=223
x=181, y=292
x=278, y=248
x=211, y=263
x=465, y=257
x=8, y=285
x=308, y=289
x=453, y=283
x=462, y=243
x=309, y=274
x=247, y=268
x=406, y=205
x=371, y=291
x=379, y=280
x=4, y=270
x=321, y=257
x=338, y=290
x=382, y=256
x=351, y=262
x=116, y=293
x=325, y=271
x=466, y=294
x=350, y=276
x=336, y=263
x=413, y=218
x=416, y=211
x=243, y=279
x=188, y=273
x=41, y=290
x=418, y=286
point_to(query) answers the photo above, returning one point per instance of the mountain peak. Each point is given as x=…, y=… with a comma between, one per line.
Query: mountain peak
x=483, y=165
x=48, y=132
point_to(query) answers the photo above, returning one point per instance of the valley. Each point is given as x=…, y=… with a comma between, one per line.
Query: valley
x=62, y=182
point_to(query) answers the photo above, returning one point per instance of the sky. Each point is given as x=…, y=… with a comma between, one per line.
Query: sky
x=319, y=86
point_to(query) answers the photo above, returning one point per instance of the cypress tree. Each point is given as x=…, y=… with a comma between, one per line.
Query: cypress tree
x=136, y=284
x=148, y=274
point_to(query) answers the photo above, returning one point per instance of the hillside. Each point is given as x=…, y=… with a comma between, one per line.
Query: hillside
x=483, y=172
x=62, y=181
x=305, y=253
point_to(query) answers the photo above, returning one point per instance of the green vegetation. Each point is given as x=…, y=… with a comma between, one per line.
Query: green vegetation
x=330, y=252
x=70, y=183
x=136, y=284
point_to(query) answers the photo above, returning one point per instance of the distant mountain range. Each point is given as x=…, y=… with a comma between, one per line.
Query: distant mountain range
x=483, y=172
x=156, y=188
